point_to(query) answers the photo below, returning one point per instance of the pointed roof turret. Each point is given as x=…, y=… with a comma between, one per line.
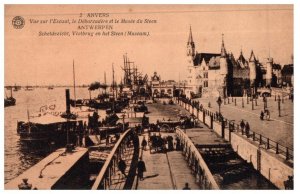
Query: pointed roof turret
x=252, y=57
x=241, y=57
x=223, y=50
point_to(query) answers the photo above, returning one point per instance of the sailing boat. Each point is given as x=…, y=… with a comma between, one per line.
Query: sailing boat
x=9, y=101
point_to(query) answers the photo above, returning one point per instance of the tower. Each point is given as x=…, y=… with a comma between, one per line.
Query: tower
x=269, y=71
x=190, y=47
x=223, y=69
x=223, y=59
x=252, y=67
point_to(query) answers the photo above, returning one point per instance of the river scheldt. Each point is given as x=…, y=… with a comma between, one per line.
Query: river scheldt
x=17, y=157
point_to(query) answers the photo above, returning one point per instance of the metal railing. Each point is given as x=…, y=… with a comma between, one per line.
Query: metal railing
x=269, y=144
x=196, y=162
x=104, y=178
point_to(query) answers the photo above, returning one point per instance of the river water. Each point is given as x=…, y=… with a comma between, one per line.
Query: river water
x=18, y=158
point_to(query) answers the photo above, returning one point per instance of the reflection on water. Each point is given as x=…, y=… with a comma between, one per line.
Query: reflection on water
x=19, y=158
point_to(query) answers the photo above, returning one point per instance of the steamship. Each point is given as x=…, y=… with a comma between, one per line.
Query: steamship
x=50, y=129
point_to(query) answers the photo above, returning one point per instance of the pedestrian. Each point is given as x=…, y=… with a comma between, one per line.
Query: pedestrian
x=262, y=115
x=144, y=144
x=122, y=167
x=141, y=169
x=247, y=128
x=178, y=147
x=242, y=125
x=186, y=187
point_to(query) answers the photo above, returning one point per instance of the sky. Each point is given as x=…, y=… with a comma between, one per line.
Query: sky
x=42, y=60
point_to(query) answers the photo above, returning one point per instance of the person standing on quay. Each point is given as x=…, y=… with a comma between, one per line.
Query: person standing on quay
x=141, y=169
x=144, y=143
x=247, y=128
x=186, y=187
x=242, y=125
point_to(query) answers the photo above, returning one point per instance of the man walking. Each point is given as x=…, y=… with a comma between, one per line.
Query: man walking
x=141, y=169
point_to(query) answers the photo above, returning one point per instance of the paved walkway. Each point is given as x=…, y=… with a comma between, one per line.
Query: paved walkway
x=279, y=129
x=166, y=171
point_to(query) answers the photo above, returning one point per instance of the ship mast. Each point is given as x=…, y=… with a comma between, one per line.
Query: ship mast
x=105, y=81
x=113, y=86
x=74, y=83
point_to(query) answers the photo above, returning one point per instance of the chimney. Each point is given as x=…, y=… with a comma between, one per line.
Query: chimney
x=68, y=102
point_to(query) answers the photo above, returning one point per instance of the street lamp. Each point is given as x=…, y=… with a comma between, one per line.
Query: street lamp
x=219, y=101
x=123, y=117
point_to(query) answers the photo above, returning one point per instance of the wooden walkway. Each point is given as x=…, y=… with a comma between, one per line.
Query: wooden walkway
x=166, y=171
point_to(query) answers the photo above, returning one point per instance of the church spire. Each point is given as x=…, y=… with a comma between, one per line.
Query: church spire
x=190, y=45
x=190, y=40
x=223, y=50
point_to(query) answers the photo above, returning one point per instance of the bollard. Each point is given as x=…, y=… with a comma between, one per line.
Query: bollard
x=260, y=139
x=268, y=143
x=255, y=101
x=242, y=102
x=279, y=108
x=252, y=104
x=277, y=148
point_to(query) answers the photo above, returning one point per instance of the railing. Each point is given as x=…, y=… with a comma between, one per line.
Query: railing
x=269, y=144
x=104, y=178
x=196, y=162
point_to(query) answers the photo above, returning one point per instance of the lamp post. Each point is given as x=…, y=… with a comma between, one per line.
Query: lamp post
x=123, y=117
x=219, y=102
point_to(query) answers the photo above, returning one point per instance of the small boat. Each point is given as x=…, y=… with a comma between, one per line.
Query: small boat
x=9, y=101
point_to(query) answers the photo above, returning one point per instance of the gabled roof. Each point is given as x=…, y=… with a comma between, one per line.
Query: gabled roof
x=242, y=58
x=252, y=57
x=206, y=56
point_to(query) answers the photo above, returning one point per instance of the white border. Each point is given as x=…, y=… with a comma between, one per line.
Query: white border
x=296, y=52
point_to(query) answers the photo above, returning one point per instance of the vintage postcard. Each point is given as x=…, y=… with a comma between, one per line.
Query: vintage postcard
x=149, y=97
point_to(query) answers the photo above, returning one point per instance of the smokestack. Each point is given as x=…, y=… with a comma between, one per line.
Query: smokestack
x=68, y=102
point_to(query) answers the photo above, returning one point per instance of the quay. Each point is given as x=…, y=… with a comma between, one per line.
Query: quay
x=210, y=155
x=60, y=170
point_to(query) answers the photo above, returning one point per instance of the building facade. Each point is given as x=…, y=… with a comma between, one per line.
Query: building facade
x=220, y=74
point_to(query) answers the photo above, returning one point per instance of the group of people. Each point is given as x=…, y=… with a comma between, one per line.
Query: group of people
x=161, y=143
x=265, y=114
x=141, y=168
x=245, y=126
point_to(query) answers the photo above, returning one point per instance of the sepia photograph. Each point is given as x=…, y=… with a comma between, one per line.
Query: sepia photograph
x=148, y=97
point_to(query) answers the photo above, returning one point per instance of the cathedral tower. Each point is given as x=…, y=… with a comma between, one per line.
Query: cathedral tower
x=190, y=47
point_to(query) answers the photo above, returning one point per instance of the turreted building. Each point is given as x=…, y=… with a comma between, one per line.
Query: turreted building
x=220, y=74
